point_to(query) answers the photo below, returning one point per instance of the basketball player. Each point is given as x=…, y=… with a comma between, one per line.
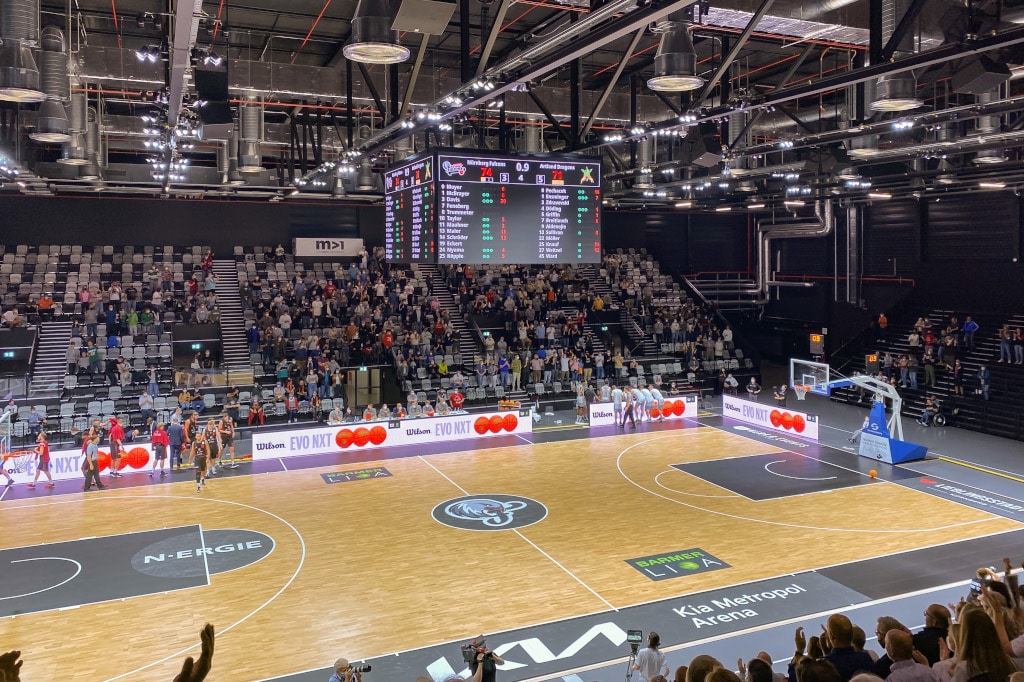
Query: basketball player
x=226, y=429
x=659, y=400
x=646, y=402
x=3, y=470
x=617, y=398
x=42, y=460
x=199, y=459
x=160, y=442
x=211, y=444
x=116, y=436
x=191, y=433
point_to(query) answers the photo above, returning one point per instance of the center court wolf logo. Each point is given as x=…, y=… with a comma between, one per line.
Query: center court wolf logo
x=489, y=512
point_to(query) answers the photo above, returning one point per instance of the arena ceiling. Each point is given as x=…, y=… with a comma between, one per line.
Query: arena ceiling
x=785, y=110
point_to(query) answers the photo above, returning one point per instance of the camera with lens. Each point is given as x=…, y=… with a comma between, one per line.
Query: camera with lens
x=470, y=651
x=364, y=668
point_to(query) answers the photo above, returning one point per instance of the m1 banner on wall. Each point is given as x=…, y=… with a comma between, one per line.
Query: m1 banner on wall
x=602, y=414
x=368, y=435
x=326, y=247
x=779, y=419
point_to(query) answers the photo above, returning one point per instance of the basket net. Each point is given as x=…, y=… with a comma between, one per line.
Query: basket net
x=801, y=391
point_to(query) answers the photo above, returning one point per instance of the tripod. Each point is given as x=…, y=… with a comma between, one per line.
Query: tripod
x=630, y=662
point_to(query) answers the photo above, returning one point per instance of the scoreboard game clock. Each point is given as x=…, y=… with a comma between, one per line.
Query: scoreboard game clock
x=456, y=207
x=518, y=209
x=410, y=212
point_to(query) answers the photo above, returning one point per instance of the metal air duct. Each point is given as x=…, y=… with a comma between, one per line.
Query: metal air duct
x=74, y=152
x=988, y=125
x=52, y=119
x=366, y=180
x=19, y=31
x=531, y=136
x=234, y=176
x=250, y=158
x=768, y=231
x=91, y=169
x=675, y=65
x=644, y=159
x=896, y=91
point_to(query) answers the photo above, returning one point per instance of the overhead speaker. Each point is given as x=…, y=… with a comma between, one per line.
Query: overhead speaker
x=212, y=84
x=978, y=75
x=216, y=121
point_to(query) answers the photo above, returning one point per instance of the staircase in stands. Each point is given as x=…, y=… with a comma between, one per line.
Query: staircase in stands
x=235, y=348
x=51, y=365
x=468, y=347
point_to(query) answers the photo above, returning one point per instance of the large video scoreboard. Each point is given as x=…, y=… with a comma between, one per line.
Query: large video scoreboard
x=409, y=212
x=496, y=208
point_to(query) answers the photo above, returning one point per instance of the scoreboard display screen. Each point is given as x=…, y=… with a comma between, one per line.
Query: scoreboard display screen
x=409, y=212
x=517, y=209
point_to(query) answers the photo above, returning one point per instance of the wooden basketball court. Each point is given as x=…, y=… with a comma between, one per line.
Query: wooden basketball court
x=363, y=568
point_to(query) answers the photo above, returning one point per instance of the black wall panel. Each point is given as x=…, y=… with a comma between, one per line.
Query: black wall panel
x=220, y=224
x=892, y=235
x=975, y=228
x=718, y=243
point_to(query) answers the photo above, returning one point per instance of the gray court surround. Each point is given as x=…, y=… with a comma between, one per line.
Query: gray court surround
x=769, y=477
x=90, y=570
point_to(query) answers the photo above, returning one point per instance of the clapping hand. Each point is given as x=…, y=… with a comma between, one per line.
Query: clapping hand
x=800, y=640
x=10, y=666
x=197, y=670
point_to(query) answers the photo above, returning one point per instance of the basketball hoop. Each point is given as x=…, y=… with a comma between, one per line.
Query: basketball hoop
x=801, y=391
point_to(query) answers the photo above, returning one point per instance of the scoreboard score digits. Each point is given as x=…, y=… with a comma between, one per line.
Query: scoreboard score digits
x=410, y=213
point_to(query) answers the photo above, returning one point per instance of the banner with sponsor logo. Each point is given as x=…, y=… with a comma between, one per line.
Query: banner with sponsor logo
x=603, y=414
x=326, y=247
x=779, y=419
x=67, y=464
x=367, y=435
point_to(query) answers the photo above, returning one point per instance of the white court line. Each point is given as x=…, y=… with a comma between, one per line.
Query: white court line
x=795, y=478
x=618, y=465
x=202, y=546
x=78, y=569
x=283, y=465
x=531, y=543
x=683, y=492
x=526, y=440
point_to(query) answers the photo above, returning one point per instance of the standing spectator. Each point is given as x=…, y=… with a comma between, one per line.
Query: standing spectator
x=730, y=384
x=291, y=406
x=899, y=646
x=958, y=376
x=91, y=465
x=650, y=662
x=72, y=358
x=984, y=381
x=929, y=368
x=1005, y=344
x=970, y=328
x=146, y=404
x=175, y=442
x=883, y=326
x=780, y=395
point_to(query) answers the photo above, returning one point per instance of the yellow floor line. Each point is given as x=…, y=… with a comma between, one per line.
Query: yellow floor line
x=981, y=469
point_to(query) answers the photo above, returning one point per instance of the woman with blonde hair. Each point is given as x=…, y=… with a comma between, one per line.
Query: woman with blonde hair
x=980, y=650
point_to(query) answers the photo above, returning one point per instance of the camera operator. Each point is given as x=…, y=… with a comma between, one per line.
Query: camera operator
x=343, y=672
x=485, y=665
x=650, y=662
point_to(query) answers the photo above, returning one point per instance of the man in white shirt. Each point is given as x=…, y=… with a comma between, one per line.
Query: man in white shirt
x=650, y=662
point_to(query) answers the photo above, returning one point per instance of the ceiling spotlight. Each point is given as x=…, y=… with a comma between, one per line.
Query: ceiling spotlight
x=723, y=209
x=684, y=204
x=947, y=173
x=755, y=205
x=372, y=41
x=140, y=20
x=675, y=66
x=793, y=203
x=213, y=59
x=990, y=184
x=896, y=92
x=882, y=196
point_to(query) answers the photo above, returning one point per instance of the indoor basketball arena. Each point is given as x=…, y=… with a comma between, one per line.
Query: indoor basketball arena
x=519, y=340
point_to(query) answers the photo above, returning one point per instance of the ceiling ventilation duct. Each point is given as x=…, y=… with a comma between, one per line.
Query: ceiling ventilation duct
x=91, y=169
x=223, y=162
x=250, y=158
x=372, y=41
x=366, y=180
x=19, y=31
x=531, y=136
x=234, y=176
x=74, y=153
x=675, y=65
x=946, y=173
x=644, y=157
x=988, y=125
x=52, y=120
x=896, y=91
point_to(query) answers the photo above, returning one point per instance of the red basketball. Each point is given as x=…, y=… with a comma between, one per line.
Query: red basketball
x=481, y=425
x=378, y=434
x=511, y=422
x=776, y=418
x=497, y=423
x=787, y=421
x=361, y=437
x=137, y=458
x=103, y=460
x=655, y=412
x=344, y=438
x=678, y=407
x=798, y=423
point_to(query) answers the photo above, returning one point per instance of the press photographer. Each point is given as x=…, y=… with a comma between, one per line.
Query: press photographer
x=482, y=662
x=343, y=672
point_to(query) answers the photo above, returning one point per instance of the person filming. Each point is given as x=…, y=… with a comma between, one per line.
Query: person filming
x=343, y=672
x=650, y=662
x=484, y=665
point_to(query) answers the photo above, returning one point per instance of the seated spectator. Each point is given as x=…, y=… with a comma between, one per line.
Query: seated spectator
x=256, y=413
x=11, y=318
x=931, y=409
x=189, y=399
